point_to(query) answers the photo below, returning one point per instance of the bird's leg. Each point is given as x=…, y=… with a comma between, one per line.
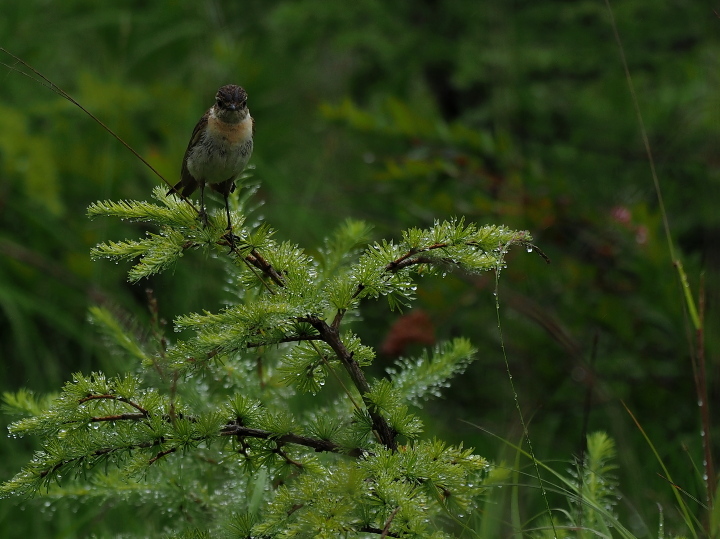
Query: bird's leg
x=229, y=234
x=203, y=214
x=228, y=188
x=227, y=212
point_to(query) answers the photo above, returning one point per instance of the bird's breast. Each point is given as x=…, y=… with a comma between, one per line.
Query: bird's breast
x=233, y=134
x=222, y=152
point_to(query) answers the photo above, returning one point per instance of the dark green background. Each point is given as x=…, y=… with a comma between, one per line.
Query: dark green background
x=400, y=113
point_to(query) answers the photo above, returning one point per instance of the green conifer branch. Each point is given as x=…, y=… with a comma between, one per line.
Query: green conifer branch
x=418, y=379
x=384, y=269
x=358, y=466
x=95, y=420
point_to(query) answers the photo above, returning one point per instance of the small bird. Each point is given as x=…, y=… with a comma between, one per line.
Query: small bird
x=219, y=148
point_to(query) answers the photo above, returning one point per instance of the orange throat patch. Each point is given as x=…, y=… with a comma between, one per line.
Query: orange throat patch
x=233, y=133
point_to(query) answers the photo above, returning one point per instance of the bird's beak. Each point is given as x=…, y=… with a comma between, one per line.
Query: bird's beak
x=232, y=106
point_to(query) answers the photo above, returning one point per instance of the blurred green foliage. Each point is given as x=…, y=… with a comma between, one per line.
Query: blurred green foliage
x=513, y=113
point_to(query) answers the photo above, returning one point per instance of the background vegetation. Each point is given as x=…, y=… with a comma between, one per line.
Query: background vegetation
x=513, y=113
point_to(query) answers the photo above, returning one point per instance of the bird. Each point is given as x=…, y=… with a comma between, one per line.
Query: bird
x=219, y=149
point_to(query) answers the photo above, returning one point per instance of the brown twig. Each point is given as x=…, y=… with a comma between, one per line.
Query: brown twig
x=231, y=429
x=320, y=446
x=292, y=338
x=287, y=459
x=388, y=522
x=117, y=417
x=377, y=531
x=407, y=260
x=100, y=453
x=335, y=374
x=139, y=408
x=331, y=337
x=263, y=265
x=162, y=454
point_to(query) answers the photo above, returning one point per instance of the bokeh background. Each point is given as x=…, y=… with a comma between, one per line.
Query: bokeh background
x=398, y=113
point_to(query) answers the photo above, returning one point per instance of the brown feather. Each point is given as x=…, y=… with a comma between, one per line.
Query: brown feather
x=187, y=184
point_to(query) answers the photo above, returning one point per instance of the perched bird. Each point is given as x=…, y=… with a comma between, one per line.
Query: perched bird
x=219, y=148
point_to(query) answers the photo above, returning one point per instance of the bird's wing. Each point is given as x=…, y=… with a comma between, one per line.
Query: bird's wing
x=187, y=183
